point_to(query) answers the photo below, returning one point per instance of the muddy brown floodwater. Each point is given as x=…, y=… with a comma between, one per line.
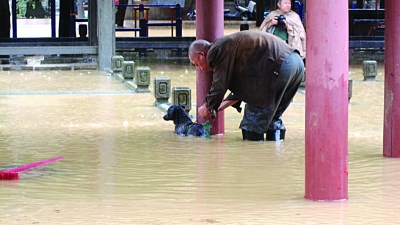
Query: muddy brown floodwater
x=124, y=165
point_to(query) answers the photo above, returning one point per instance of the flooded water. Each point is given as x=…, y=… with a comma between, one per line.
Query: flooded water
x=124, y=165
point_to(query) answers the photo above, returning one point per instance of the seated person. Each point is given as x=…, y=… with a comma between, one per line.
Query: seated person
x=292, y=30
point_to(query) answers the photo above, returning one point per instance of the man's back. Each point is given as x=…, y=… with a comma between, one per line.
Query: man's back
x=246, y=62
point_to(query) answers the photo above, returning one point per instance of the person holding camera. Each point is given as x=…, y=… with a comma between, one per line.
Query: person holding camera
x=287, y=25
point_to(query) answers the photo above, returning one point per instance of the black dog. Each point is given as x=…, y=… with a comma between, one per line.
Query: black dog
x=183, y=123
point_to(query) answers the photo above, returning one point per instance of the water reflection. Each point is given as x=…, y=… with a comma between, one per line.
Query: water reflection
x=124, y=165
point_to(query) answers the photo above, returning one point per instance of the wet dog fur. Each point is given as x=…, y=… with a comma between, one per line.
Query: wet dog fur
x=183, y=124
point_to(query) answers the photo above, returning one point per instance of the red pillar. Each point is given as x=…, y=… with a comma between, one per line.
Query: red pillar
x=326, y=125
x=209, y=26
x=391, y=130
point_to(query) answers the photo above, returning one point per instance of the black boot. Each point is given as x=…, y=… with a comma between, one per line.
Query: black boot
x=252, y=136
x=275, y=135
x=276, y=130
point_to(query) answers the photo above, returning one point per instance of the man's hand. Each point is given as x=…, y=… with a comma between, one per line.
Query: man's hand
x=274, y=21
x=204, y=112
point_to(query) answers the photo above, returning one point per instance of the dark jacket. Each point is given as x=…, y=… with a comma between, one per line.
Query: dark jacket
x=247, y=63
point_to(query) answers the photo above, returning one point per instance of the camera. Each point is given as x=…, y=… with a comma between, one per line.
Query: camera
x=281, y=21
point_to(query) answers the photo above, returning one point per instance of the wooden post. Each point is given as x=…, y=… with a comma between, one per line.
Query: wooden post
x=209, y=26
x=105, y=33
x=391, y=131
x=327, y=101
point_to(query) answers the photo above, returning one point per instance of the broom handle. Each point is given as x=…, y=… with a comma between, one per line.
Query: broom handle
x=33, y=165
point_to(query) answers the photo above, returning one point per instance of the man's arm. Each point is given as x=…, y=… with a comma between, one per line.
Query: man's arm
x=231, y=100
x=204, y=112
x=225, y=104
x=269, y=21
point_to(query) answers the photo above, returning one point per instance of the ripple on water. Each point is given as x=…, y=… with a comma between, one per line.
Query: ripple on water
x=123, y=164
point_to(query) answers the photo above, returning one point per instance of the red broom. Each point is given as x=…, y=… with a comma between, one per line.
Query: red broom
x=13, y=173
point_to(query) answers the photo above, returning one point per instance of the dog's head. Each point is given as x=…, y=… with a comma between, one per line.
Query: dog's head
x=177, y=113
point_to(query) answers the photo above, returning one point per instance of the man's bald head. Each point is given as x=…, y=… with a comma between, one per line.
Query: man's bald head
x=198, y=46
x=198, y=50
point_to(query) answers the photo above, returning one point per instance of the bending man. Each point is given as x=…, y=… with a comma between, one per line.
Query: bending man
x=259, y=68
